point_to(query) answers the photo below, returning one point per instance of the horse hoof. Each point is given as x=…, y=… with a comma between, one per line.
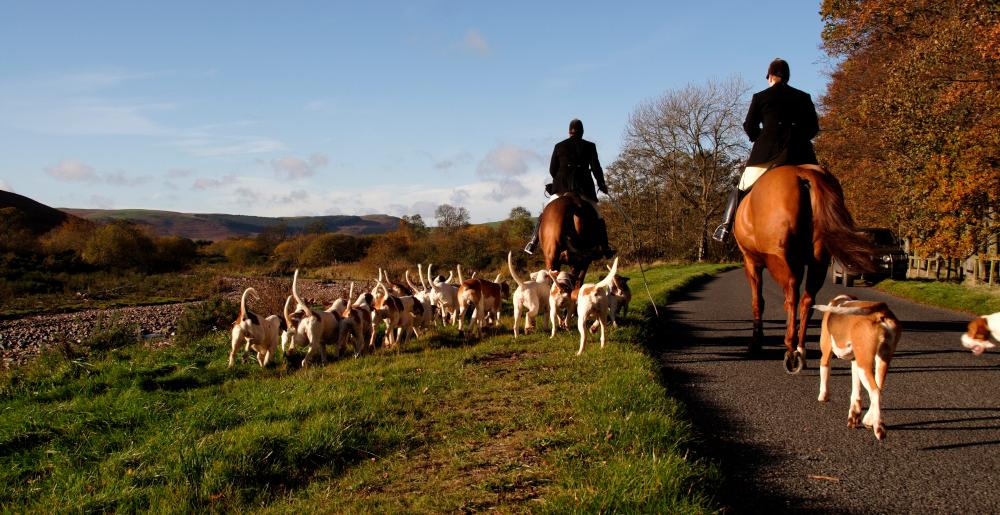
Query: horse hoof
x=794, y=362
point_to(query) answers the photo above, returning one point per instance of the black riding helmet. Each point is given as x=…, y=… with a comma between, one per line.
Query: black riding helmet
x=779, y=68
x=576, y=127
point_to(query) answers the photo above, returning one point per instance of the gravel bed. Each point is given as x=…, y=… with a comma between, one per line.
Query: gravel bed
x=23, y=338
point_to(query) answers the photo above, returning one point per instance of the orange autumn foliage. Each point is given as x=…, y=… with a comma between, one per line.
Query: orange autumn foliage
x=912, y=117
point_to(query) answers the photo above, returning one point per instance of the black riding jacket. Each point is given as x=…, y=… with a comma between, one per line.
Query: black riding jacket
x=781, y=122
x=574, y=160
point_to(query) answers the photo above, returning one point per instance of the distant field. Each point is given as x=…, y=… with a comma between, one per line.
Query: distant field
x=445, y=425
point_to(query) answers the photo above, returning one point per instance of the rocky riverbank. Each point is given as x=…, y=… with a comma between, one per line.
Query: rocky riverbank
x=23, y=338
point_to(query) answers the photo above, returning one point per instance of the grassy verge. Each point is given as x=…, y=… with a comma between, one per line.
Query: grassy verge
x=974, y=300
x=444, y=425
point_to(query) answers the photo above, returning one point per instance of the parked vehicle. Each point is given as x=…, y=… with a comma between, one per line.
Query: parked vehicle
x=890, y=259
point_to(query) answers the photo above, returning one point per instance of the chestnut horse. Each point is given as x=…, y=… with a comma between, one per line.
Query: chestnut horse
x=793, y=219
x=566, y=231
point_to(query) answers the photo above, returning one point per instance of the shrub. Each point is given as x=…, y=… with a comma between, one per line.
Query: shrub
x=16, y=229
x=111, y=334
x=241, y=252
x=175, y=252
x=331, y=248
x=119, y=245
x=200, y=319
x=71, y=236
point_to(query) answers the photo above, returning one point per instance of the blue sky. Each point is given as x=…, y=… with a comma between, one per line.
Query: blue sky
x=311, y=108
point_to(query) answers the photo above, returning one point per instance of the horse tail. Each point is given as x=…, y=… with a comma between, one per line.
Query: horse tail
x=834, y=224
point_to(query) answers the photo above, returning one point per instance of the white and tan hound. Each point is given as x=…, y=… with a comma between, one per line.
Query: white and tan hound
x=261, y=334
x=865, y=333
x=592, y=302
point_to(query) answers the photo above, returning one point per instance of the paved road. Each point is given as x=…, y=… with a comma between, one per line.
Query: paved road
x=782, y=450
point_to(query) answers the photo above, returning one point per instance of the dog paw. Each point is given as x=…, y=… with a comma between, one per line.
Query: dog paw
x=853, y=421
x=880, y=432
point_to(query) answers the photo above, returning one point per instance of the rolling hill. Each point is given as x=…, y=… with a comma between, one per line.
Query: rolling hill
x=41, y=218
x=222, y=226
x=195, y=226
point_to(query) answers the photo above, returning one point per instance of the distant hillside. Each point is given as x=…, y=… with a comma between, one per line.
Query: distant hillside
x=220, y=226
x=41, y=218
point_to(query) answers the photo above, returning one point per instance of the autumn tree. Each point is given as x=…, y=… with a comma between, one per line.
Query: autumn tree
x=911, y=120
x=681, y=156
x=451, y=217
x=119, y=245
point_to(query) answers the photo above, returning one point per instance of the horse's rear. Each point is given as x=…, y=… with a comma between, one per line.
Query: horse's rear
x=565, y=231
x=791, y=222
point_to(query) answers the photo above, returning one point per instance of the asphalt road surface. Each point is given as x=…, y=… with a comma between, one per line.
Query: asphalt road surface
x=780, y=450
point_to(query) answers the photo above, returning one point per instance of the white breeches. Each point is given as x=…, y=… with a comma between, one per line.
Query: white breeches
x=750, y=176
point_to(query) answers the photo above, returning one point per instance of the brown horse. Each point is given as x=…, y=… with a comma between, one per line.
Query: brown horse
x=793, y=219
x=567, y=234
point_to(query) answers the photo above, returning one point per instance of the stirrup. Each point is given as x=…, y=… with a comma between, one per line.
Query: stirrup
x=721, y=233
x=530, y=247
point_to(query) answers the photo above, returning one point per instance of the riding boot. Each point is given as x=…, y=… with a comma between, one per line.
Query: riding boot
x=604, y=247
x=530, y=247
x=723, y=230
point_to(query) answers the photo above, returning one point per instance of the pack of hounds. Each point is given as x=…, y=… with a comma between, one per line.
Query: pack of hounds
x=401, y=311
x=863, y=332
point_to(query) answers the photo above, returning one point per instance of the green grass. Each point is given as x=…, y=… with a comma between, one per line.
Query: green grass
x=975, y=300
x=445, y=425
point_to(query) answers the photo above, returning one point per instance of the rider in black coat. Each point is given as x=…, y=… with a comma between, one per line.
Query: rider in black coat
x=781, y=122
x=574, y=160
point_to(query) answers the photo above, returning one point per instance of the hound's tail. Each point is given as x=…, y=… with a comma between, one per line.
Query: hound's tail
x=610, y=278
x=420, y=274
x=834, y=223
x=851, y=310
x=287, y=311
x=295, y=293
x=243, y=305
x=510, y=266
x=410, y=283
x=460, y=280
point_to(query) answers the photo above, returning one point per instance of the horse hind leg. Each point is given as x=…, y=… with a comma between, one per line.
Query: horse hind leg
x=754, y=277
x=790, y=277
x=815, y=277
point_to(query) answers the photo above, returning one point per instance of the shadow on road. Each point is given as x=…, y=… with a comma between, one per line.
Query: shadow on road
x=732, y=457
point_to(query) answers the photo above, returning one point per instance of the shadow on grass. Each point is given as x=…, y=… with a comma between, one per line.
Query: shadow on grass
x=733, y=458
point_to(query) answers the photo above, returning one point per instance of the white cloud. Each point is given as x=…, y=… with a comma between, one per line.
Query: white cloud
x=449, y=163
x=291, y=167
x=507, y=188
x=246, y=196
x=178, y=173
x=121, y=179
x=459, y=197
x=5, y=186
x=87, y=117
x=72, y=170
x=294, y=197
x=210, y=183
x=475, y=42
x=100, y=202
x=507, y=161
x=215, y=146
